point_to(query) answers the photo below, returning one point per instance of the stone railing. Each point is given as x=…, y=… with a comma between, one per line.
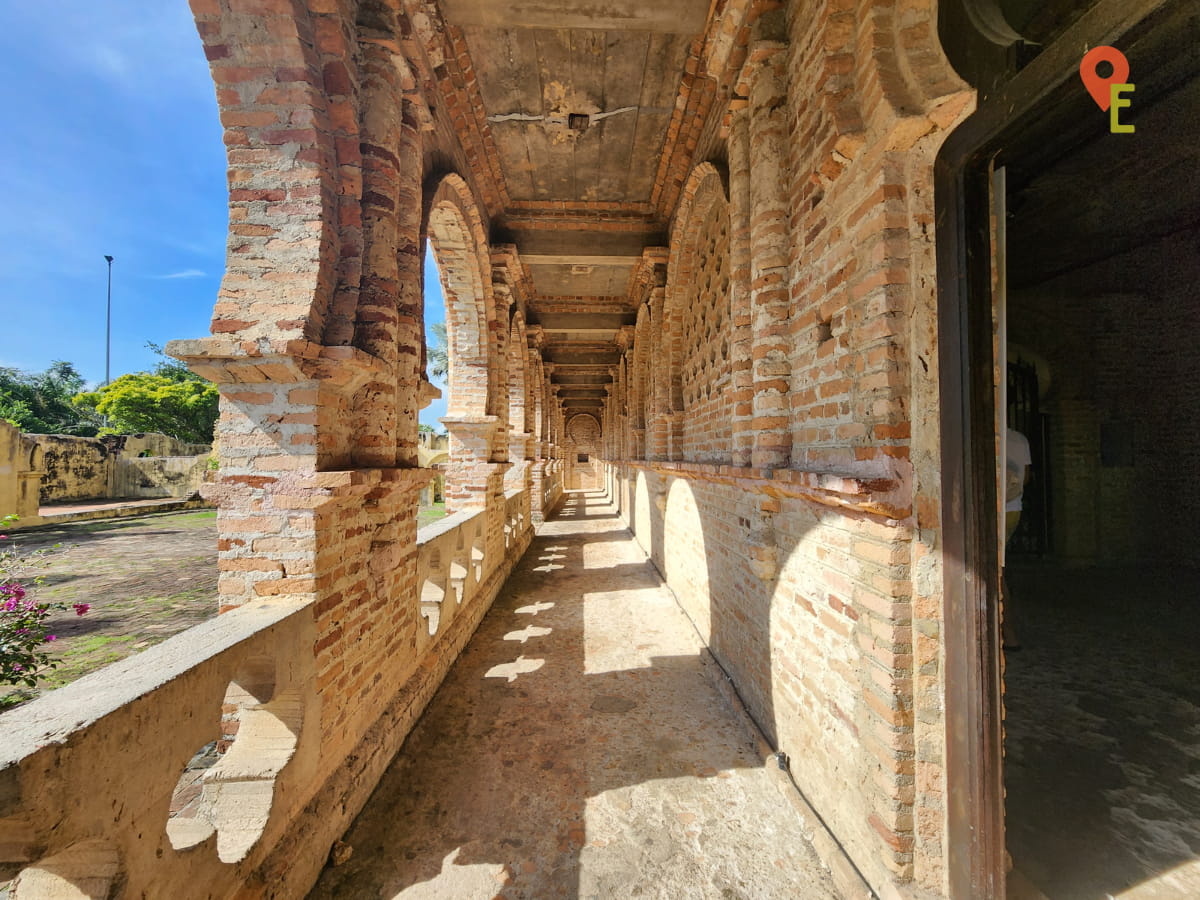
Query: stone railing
x=452, y=561
x=170, y=771
x=516, y=517
x=552, y=484
x=198, y=767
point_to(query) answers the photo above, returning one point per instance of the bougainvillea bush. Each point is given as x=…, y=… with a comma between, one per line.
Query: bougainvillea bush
x=24, y=627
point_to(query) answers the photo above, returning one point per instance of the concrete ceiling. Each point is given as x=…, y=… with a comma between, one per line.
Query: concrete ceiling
x=577, y=98
x=665, y=16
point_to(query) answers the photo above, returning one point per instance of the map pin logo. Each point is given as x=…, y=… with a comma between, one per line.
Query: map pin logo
x=1098, y=85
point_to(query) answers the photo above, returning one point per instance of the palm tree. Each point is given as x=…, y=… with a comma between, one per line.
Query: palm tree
x=438, y=356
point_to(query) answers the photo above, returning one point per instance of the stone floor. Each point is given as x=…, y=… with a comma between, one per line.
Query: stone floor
x=579, y=749
x=1103, y=733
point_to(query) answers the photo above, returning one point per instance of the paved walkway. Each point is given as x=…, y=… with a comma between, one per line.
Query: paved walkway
x=578, y=749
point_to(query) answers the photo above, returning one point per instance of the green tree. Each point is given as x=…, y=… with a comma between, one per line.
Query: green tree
x=40, y=402
x=171, y=400
x=438, y=356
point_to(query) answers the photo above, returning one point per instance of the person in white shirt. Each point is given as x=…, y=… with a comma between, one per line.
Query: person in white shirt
x=1016, y=475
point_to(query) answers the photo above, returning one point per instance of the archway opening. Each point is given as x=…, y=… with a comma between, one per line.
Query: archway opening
x=433, y=441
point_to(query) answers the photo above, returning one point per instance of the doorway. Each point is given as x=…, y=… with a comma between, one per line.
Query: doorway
x=1079, y=751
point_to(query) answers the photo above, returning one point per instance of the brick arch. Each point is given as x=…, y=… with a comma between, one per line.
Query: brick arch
x=277, y=94
x=698, y=319
x=454, y=229
x=874, y=68
x=901, y=67
x=583, y=432
x=520, y=405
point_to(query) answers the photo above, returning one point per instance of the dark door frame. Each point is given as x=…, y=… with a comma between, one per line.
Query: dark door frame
x=974, y=749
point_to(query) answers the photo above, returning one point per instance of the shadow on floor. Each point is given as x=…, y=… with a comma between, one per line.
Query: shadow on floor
x=578, y=749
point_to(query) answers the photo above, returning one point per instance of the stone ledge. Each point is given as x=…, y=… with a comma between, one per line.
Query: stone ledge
x=228, y=361
x=54, y=717
x=875, y=496
x=313, y=489
x=434, y=530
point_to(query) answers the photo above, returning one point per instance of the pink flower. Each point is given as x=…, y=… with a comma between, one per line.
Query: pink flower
x=81, y=608
x=51, y=637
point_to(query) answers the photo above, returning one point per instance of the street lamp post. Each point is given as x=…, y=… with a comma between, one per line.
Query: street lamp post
x=108, y=326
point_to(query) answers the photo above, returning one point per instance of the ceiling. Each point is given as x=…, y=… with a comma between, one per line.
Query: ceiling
x=578, y=98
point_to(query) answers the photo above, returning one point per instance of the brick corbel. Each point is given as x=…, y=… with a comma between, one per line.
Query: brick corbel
x=225, y=361
x=882, y=496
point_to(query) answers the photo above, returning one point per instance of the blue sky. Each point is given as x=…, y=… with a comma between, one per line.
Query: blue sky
x=113, y=146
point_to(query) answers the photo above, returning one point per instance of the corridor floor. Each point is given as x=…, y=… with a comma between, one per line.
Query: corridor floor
x=578, y=749
x=1103, y=732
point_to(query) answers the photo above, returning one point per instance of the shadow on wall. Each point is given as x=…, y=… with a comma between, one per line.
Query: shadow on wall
x=708, y=565
x=786, y=611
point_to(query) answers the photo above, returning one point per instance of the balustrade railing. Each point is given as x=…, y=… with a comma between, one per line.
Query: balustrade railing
x=177, y=771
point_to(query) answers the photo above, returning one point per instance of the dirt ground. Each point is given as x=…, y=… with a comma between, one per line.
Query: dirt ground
x=145, y=579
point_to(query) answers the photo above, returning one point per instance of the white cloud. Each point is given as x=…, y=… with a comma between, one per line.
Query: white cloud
x=186, y=273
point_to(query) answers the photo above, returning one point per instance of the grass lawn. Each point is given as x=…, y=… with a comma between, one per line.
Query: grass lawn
x=430, y=514
x=145, y=578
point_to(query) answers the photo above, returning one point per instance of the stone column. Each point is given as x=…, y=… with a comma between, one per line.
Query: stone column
x=769, y=250
x=472, y=477
x=520, y=476
x=411, y=388
x=537, y=484
x=741, y=345
x=627, y=443
x=657, y=426
x=673, y=430
x=376, y=316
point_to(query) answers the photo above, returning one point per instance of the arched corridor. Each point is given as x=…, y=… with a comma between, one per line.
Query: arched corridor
x=752, y=273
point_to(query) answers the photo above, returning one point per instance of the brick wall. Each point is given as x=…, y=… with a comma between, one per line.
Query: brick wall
x=797, y=518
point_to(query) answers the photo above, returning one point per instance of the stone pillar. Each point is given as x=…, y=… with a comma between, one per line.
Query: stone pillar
x=769, y=251
x=673, y=432
x=628, y=447
x=411, y=387
x=520, y=476
x=376, y=316
x=504, y=300
x=471, y=475
x=741, y=344
x=659, y=402
x=537, y=484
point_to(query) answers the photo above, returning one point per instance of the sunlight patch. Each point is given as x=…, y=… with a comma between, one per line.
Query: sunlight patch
x=519, y=666
x=480, y=881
